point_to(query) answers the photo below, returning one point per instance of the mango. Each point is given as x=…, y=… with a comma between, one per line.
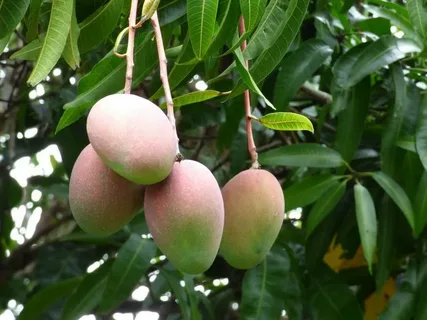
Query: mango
x=254, y=212
x=133, y=137
x=185, y=216
x=101, y=201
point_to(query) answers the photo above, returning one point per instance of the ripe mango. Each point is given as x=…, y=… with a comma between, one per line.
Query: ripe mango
x=254, y=211
x=101, y=201
x=185, y=216
x=133, y=137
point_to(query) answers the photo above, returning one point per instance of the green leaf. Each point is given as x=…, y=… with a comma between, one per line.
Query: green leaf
x=265, y=286
x=324, y=206
x=46, y=297
x=421, y=134
x=397, y=194
x=247, y=78
x=192, y=295
x=201, y=24
x=330, y=298
x=88, y=294
x=418, y=14
x=54, y=43
x=132, y=262
x=270, y=58
x=29, y=52
x=252, y=11
x=367, y=222
x=308, y=190
x=401, y=10
x=351, y=121
x=302, y=155
x=11, y=13
x=71, y=52
x=286, y=121
x=269, y=29
x=193, y=97
x=33, y=20
x=174, y=278
x=397, y=20
x=99, y=25
x=72, y=115
x=297, y=68
x=420, y=206
x=389, y=161
x=384, y=51
x=3, y=43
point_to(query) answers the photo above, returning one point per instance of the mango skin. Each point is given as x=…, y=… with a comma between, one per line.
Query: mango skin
x=254, y=212
x=185, y=216
x=133, y=137
x=101, y=201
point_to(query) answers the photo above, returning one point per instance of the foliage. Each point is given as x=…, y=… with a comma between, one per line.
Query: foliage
x=353, y=242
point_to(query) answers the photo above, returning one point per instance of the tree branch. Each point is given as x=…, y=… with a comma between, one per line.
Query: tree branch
x=130, y=48
x=317, y=95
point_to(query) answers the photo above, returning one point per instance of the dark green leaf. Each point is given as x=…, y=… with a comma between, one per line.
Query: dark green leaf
x=54, y=43
x=308, y=190
x=252, y=11
x=71, y=52
x=71, y=115
x=302, y=155
x=29, y=52
x=132, y=261
x=418, y=15
x=33, y=20
x=193, y=97
x=397, y=194
x=46, y=297
x=298, y=67
x=173, y=277
x=11, y=13
x=99, y=25
x=420, y=206
x=286, y=121
x=323, y=207
x=421, y=134
x=367, y=222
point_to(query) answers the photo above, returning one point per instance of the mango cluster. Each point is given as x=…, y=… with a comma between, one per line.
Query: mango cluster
x=131, y=162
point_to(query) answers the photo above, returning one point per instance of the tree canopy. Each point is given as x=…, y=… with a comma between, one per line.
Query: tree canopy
x=339, y=116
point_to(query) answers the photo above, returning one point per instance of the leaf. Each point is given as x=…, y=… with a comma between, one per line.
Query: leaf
x=395, y=119
x=88, y=294
x=189, y=287
x=33, y=20
x=384, y=51
x=297, y=68
x=46, y=297
x=11, y=13
x=72, y=115
x=418, y=14
x=308, y=190
x=302, y=155
x=324, y=206
x=71, y=52
x=397, y=194
x=421, y=133
x=201, y=24
x=132, y=262
x=269, y=29
x=286, y=121
x=247, y=78
x=30, y=51
x=330, y=298
x=420, y=206
x=54, y=43
x=367, y=222
x=265, y=286
x=252, y=11
x=3, y=43
x=270, y=58
x=397, y=20
x=173, y=277
x=351, y=121
x=193, y=97
x=99, y=25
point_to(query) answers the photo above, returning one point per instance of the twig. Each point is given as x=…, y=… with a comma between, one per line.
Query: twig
x=222, y=162
x=164, y=77
x=131, y=44
x=319, y=96
x=199, y=147
x=251, y=141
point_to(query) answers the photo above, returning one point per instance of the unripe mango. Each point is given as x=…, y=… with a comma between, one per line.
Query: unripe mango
x=101, y=201
x=133, y=137
x=185, y=216
x=254, y=211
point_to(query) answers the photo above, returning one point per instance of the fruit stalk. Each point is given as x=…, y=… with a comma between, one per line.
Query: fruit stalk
x=251, y=142
x=163, y=63
x=131, y=44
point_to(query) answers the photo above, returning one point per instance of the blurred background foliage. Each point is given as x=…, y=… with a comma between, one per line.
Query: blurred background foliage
x=353, y=242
